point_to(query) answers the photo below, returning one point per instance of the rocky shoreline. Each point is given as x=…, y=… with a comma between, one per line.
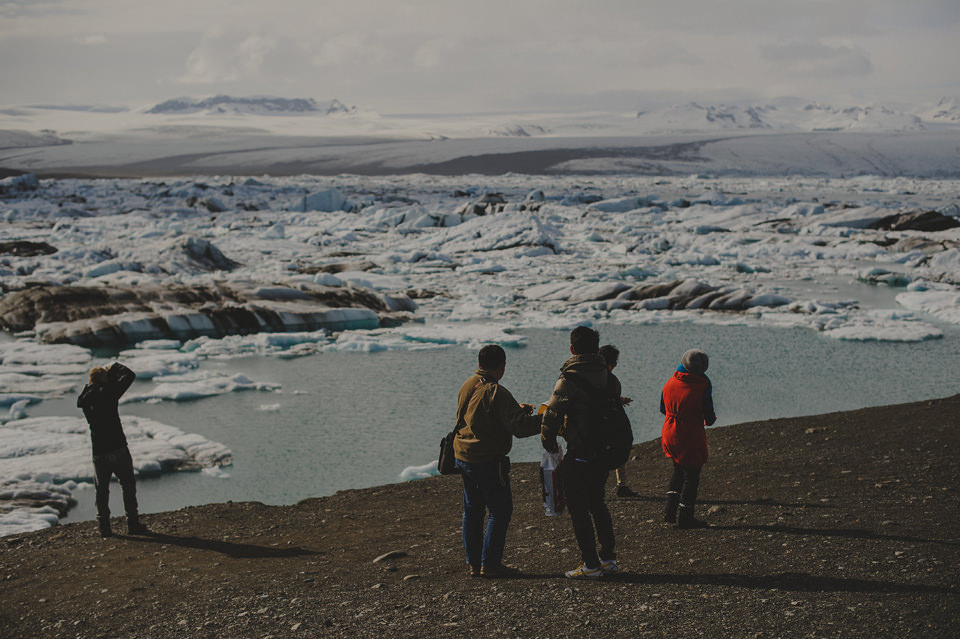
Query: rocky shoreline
x=838, y=525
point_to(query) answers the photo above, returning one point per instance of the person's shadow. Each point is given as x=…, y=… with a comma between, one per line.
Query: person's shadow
x=240, y=551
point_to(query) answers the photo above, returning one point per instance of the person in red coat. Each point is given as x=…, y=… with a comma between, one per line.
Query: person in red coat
x=687, y=403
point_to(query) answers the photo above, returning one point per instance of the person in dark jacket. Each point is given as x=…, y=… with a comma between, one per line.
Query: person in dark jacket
x=489, y=418
x=611, y=355
x=111, y=456
x=687, y=404
x=584, y=481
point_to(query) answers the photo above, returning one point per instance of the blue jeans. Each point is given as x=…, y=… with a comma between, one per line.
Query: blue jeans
x=486, y=487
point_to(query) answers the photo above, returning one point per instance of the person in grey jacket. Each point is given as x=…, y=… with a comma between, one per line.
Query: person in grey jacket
x=99, y=401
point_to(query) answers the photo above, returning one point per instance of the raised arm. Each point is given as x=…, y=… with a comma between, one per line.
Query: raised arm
x=120, y=378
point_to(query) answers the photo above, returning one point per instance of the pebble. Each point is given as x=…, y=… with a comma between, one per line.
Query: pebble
x=393, y=554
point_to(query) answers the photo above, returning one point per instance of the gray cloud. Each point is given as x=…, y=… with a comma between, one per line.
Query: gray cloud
x=422, y=54
x=813, y=59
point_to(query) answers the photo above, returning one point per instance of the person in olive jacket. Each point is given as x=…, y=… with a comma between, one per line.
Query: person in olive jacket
x=111, y=456
x=489, y=418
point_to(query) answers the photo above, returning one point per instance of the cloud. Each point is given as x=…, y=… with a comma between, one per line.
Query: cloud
x=815, y=59
x=226, y=58
x=91, y=40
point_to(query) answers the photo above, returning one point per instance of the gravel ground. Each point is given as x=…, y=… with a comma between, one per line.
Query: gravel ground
x=840, y=525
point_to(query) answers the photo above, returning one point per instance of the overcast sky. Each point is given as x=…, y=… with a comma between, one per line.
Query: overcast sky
x=446, y=55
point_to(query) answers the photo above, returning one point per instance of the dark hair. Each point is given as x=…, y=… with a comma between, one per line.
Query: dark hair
x=610, y=354
x=491, y=357
x=584, y=340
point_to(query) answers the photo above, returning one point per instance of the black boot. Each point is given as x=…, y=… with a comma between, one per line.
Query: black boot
x=104, y=524
x=135, y=526
x=685, y=518
x=670, y=510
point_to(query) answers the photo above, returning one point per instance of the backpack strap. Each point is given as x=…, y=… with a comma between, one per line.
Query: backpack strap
x=462, y=414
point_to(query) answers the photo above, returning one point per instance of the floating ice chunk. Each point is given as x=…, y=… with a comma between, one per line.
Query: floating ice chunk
x=18, y=410
x=269, y=408
x=42, y=355
x=768, y=300
x=472, y=335
x=112, y=266
x=878, y=275
x=905, y=332
x=497, y=232
x=375, y=281
x=148, y=364
x=359, y=342
x=257, y=344
x=159, y=344
x=419, y=472
x=25, y=182
x=216, y=471
x=36, y=384
x=948, y=263
x=179, y=391
x=276, y=232
x=328, y=200
x=577, y=293
x=327, y=279
x=9, y=399
x=691, y=259
x=944, y=305
x=623, y=204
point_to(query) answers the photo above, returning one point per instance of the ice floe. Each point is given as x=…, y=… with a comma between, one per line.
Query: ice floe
x=42, y=459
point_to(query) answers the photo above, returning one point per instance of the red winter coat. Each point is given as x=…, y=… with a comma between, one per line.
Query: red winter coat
x=687, y=402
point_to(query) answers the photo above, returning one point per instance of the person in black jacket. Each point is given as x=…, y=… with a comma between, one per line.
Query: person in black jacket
x=568, y=414
x=111, y=456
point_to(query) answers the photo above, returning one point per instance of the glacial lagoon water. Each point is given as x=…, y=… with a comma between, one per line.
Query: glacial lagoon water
x=346, y=420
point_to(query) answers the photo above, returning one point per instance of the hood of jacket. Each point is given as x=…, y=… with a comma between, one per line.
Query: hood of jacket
x=591, y=368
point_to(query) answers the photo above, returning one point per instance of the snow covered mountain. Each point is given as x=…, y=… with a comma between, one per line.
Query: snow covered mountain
x=947, y=110
x=261, y=105
x=782, y=116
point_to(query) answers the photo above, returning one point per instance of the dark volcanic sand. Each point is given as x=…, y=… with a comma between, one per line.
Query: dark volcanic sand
x=840, y=525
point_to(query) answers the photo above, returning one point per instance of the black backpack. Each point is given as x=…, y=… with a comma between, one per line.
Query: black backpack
x=608, y=439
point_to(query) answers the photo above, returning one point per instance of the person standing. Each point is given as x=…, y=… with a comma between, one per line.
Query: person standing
x=489, y=419
x=584, y=481
x=611, y=355
x=99, y=401
x=687, y=405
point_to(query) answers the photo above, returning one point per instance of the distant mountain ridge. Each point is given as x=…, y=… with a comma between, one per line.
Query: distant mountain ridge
x=261, y=105
x=791, y=115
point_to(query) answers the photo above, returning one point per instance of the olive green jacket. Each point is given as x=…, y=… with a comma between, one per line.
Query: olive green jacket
x=491, y=419
x=568, y=411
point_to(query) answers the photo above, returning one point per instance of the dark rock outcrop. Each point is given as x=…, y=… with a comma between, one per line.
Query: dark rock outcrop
x=25, y=248
x=929, y=221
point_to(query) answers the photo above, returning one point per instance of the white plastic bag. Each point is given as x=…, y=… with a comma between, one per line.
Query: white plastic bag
x=554, y=501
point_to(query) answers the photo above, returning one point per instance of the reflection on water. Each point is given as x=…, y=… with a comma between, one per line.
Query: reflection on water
x=351, y=420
